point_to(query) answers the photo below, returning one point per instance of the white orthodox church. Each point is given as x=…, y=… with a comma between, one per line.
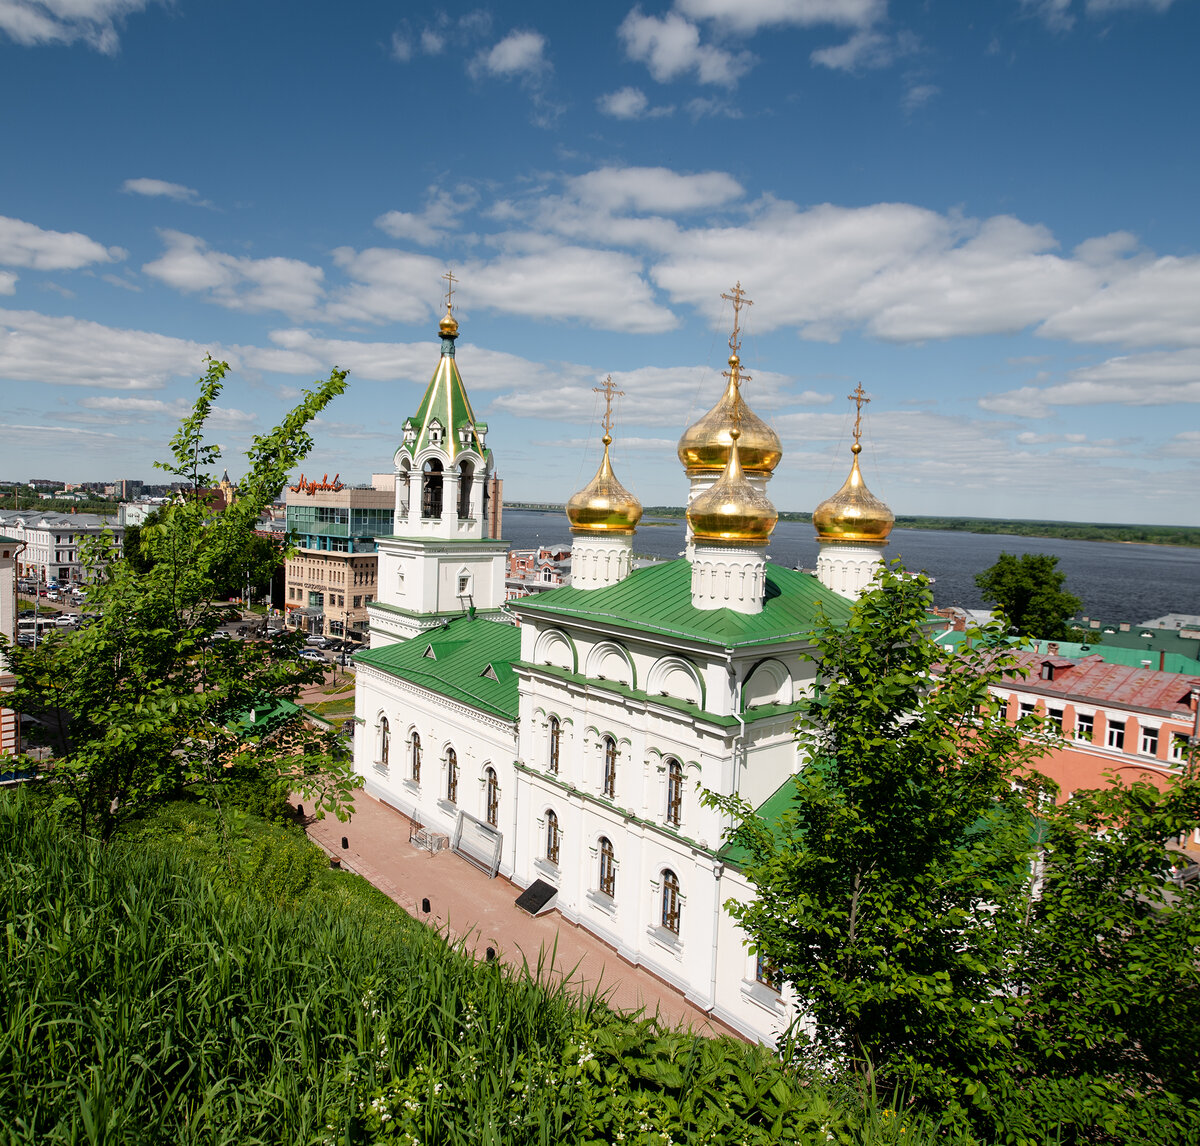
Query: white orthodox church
x=566, y=737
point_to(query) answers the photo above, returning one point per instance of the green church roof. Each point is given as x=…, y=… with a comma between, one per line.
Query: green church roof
x=446, y=403
x=467, y=659
x=658, y=599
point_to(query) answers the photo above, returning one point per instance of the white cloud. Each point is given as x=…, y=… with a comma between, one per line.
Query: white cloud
x=1056, y=14
x=536, y=276
x=287, y=285
x=94, y=22
x=8, y=282
x=160, y=188
x=631, y=103
x=866, y=50
x=918, y=95
x=901, y=272
x=1185, y=445
x=433, y=43
x=654, y=189
x=124, y=284
x=402, y=49
x=751, y=15
x=73, y=352
x=25, y=245
x=1144, y=303
x=1103, y=7
x=521, y=54
x=144, y=409
x=1156, y=378
x=672, y=396
x=431, y=225
x=670, y=47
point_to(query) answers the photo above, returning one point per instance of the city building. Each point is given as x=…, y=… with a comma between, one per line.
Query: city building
x=330, y=579
x=1117, y=720
x=53, y=542
x=567, y=751
x=10, y=547
x=536, y=570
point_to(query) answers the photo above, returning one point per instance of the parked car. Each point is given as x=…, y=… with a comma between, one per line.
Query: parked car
x=316, y=642
x=312, y=655
x=221, y=635
x=67, y=620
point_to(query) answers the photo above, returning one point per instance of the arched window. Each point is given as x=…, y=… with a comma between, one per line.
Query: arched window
x=552, y=838
x=452, y=775
x=414, y=756
x=608, y=868
x=385, y=739
x=466, y=478
x=610, y=767
x=555, y=742
x=431, y=489
x=670, y=902
x=493, y=798
x=674, y=792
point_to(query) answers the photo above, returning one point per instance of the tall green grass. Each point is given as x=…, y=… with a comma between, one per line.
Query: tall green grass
x=193, y=986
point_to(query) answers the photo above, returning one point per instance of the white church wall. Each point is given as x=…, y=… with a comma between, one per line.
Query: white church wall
x=477, y=739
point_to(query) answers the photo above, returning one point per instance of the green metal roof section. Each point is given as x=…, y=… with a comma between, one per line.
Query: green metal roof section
x=453, y=660
x=9, y=540
x=446, y=402
x=1132, y=657
x=771, y=810
x=658, y=599
x=774, y=808
x=268, y=714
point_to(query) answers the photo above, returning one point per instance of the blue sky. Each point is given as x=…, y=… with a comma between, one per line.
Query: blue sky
x=984, y=212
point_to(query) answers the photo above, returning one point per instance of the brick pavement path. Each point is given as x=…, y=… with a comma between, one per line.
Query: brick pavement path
x=468, y=907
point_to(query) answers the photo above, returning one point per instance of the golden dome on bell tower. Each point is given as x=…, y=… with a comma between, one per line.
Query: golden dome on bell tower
x=604, y=505
x=854, y=513
x=448, y=327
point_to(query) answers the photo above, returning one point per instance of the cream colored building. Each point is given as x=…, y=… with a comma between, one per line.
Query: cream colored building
x=331, y=578
x=9, y=548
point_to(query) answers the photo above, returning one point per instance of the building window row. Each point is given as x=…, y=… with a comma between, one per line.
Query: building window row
x=1148, y=736
x=673, y=813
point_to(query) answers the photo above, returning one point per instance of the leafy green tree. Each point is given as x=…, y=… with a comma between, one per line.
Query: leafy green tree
x=143, y=705
x=1109, y=983
x=945, y=929
x=258, y=563
x=1029, y=589
x=903, y=822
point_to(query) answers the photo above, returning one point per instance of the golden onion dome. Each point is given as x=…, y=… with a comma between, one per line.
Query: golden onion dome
x=705, y=445
x=604, y=505
x=854, y=513
x=448, y=327
x=732, y=510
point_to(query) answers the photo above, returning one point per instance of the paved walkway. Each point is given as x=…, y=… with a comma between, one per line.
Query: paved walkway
x=465, y=905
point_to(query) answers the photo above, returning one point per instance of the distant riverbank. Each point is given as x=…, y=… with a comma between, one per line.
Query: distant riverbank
x=1184, y=535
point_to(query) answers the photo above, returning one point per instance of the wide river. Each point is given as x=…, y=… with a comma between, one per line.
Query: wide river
x=1116, y=582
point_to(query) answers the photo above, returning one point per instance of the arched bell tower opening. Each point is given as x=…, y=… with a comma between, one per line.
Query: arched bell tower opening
x=466, y=484
x=431, y=490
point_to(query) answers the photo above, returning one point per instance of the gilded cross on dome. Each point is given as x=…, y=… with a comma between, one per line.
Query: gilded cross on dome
x=451, y=280
x=738, y=297
x=739, y=300
x=860, y=399
x=610, y=391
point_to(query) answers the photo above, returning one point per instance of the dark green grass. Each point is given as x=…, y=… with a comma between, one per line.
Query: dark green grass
x=212, y=981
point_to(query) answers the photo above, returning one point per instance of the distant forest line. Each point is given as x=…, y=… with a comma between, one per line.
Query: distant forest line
x=1070, y=530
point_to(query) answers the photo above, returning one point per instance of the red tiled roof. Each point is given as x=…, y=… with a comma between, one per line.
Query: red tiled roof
x=1105, y=683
